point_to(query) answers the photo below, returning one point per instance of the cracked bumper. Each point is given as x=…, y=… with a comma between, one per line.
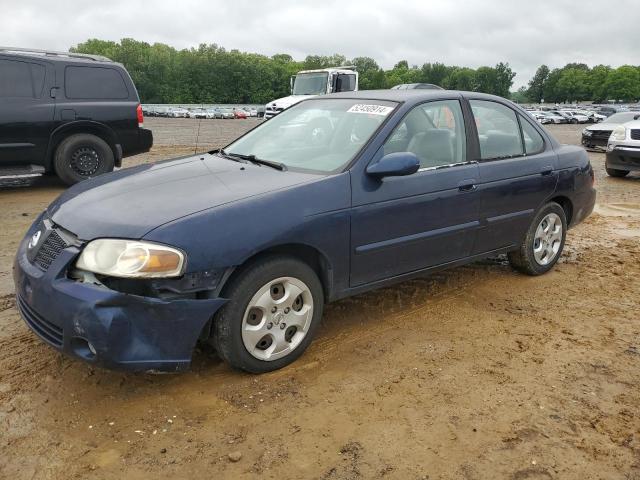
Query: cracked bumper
x=105, y=327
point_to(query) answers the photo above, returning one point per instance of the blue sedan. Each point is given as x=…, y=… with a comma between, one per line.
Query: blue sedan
x=242, y=247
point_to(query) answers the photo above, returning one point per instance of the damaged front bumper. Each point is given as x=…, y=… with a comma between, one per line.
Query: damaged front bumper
x=104, y=326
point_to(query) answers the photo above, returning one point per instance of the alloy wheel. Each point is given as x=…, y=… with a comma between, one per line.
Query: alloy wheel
x=547, y=239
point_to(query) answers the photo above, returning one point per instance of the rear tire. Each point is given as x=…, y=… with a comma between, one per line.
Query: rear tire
x=542, y=245
x=612, y=172
x=82, y=156
x=258, y=332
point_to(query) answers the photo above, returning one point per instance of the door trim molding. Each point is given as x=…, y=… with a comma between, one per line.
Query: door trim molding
x=392, y=242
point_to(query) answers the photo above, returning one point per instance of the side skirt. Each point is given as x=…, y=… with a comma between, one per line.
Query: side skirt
x=417, y=273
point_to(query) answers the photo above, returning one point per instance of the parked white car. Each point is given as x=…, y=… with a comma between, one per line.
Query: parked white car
x=540, y=117
x=198, y=113
x=576, y=116
x=623, y=150
x=179, y=113
x=555, y=118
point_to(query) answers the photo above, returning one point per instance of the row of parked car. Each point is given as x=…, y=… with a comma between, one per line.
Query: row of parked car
x=168, y=111
x=581, y=114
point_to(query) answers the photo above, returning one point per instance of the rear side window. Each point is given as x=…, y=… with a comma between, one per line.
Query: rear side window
x=21, y=79
x=498, y=130
x=533, y=141
x=98, y=83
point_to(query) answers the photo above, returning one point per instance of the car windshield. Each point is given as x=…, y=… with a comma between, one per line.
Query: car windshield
x=621, y=117
x=319, y=136
x=310, y=83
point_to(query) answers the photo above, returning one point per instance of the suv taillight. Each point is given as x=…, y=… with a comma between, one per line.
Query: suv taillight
x=140, y=115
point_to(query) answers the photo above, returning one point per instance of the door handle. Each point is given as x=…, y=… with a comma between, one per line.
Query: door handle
x=468, y=185
x=546, y=170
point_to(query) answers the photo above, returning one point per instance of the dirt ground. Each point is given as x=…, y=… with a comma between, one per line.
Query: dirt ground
x=475, y=373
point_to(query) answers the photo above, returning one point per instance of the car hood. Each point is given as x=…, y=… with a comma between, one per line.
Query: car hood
x=633, y=124
x=130, y=203
x=286, y=102
x=602, y=126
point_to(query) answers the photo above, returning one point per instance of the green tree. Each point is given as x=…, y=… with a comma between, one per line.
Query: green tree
x=535, y=92
x=434, y=73
x=504, y=79
x=521, y=95
x=550, y=90
x=460, y=78
x=623, y=83
x=573, y=84
x=371, y=76
x=486, y=79
x=598, y=81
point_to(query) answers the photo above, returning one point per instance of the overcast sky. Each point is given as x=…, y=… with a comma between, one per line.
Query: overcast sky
x=466, y=33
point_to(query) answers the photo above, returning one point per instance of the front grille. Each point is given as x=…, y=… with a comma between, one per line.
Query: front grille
x=635, y=134
x=46, y=330
x=49, y=250
x=601, y=134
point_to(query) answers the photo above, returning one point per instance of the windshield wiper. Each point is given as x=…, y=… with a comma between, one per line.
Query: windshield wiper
x=228, y=156
x=259, y=161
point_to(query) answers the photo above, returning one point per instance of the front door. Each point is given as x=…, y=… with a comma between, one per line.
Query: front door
x=404, y=224
x=26, y=111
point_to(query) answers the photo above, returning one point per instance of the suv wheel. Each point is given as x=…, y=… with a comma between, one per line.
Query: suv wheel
x=612, y=172
x=543, y=243
x=273, y=312
x=82, y=156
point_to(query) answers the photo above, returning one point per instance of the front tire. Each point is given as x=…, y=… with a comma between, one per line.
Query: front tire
x=543, y=243
x=82, y=156
x=612, y=172
x=274, y=310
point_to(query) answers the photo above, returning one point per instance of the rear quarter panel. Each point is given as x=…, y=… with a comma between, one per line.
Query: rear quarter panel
x=575, y=181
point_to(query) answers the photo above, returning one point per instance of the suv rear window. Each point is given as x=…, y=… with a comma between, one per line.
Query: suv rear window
x=21, y=79
x=94, y=83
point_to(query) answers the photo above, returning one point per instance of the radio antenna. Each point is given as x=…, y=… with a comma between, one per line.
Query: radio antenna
x=195, y=150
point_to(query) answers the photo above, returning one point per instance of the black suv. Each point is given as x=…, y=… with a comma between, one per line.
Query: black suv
x=70, y=114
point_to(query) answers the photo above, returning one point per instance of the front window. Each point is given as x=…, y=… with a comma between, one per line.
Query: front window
x=310, y=83
x=316, y=135
x=434, y=132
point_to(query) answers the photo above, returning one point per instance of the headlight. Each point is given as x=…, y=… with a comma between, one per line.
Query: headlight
x=619, y=133
x=587, y=133
x=131, y=258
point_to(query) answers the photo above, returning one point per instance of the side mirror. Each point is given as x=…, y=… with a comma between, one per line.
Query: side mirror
x=291, y=80
x=636, y=117
x=396, y=164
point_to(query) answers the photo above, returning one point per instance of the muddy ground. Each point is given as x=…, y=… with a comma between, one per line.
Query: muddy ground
x=475, y=373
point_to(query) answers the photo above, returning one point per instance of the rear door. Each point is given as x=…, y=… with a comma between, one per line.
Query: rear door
x=404, y=224
x=102, y=93
x=26, y=110
x=517, y=173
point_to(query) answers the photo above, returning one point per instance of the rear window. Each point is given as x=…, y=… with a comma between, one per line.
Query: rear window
x=97, y=83
x=21, y=79
x=498, y=130
x=533, y=141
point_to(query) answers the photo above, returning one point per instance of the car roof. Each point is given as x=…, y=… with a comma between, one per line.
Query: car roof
x=70, y=59
x=414, y=96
